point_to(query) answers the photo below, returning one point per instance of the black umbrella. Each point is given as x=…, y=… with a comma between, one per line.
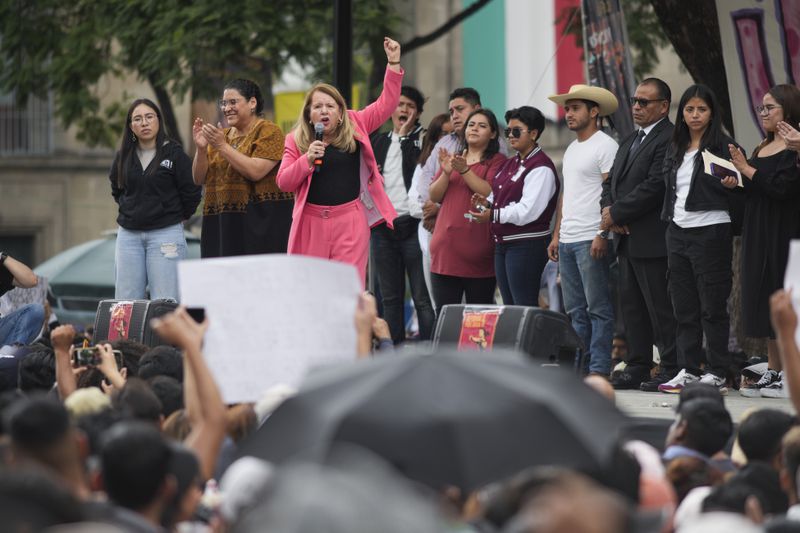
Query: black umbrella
x=457, y=419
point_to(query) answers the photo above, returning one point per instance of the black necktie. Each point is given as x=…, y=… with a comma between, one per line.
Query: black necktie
x=637, y=141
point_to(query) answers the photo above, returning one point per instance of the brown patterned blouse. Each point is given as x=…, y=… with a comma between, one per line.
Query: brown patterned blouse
x=226, y=190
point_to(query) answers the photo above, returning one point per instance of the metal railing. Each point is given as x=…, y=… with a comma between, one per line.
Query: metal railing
x=28, y=129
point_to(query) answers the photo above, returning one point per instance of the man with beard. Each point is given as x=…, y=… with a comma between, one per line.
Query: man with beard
x=578, y=243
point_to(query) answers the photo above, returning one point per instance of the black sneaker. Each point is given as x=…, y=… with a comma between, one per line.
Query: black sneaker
x=661, y=377
x=630, y=378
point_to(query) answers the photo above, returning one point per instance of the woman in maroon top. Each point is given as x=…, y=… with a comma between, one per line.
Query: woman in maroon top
x=462, y=252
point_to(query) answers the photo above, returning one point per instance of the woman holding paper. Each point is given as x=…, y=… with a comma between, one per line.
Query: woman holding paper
x=339, y=189
x=699, y=243
x=771, y=219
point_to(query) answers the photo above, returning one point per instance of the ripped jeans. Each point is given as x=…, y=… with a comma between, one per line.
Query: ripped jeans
x=148, y=259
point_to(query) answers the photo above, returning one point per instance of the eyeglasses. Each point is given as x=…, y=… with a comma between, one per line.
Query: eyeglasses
x=515, y=132
x=225, y=103
x=644, y=102
x=766, y=109
x=139, y=119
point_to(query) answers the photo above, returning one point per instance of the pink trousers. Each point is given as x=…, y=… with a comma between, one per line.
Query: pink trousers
x=338, y=232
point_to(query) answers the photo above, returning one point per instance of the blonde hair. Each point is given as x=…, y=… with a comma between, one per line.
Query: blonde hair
x=86, y=401
x=345, y=132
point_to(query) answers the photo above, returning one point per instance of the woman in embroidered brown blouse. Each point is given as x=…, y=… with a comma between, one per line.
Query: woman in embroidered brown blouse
x=244, y=211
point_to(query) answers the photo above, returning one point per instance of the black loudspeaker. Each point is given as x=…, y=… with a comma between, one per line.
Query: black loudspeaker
x=130, y=319
x=545, y=335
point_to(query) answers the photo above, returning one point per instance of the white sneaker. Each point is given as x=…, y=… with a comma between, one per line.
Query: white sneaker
x=716, y=381
x=776, y=389
x=754, y=390
x=676, y=384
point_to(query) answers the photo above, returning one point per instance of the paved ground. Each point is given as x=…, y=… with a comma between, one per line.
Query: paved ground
x=660, y=405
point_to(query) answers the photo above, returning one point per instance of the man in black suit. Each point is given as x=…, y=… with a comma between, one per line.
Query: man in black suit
x=631, y=202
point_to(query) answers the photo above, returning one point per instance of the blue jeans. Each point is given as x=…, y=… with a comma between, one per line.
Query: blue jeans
x=149, y=259
x=587, y=299
x=21, y=326
x=518, y=266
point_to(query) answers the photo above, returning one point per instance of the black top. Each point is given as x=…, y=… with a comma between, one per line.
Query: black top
x=159, y=196
x=338, y=180
x=771, y=221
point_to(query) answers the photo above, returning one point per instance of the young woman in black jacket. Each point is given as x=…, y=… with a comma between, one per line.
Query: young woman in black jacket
x=151, y=180
x=699, y=241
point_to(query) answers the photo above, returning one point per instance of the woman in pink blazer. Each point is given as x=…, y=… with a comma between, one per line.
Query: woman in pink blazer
x=338, y=188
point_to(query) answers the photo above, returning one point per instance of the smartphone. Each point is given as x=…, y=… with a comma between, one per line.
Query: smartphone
x=721, y=172
x=198, y=314
x=90, y=356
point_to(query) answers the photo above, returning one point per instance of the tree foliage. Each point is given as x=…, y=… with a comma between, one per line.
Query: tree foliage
x=179, y=47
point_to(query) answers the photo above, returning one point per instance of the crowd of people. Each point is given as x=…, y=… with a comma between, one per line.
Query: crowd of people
x=135, y=438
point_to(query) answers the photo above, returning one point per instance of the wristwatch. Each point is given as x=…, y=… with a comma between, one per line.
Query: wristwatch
x=602, y=234
x=3, y=257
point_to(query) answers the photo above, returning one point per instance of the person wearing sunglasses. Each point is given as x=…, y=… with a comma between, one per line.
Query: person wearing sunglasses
x=244, y=211
x=522, y=204
x=631, y=205
x=771, y=180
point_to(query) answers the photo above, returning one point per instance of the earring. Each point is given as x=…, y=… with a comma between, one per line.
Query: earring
x=133, y=137
x=252, y=110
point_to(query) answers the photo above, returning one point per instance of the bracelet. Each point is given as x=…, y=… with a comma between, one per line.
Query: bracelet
x=393, y=62
x=3, y=257
x=464, y=172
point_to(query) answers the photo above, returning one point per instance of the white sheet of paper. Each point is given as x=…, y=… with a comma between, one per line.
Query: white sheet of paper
x=791, y=280
x=709, y=159
x=271, y=317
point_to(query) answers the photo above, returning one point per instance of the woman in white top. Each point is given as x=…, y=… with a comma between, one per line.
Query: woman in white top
x=699, y=241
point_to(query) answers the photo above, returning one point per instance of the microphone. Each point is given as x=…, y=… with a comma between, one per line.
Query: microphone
x=319, y=127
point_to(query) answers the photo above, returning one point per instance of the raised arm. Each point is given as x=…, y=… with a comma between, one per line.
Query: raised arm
x=374, y=115
x=22, y=274
x=784, y=322
x=202, y=397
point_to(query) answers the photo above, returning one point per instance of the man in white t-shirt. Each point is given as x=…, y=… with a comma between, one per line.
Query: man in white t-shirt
x=396, y=252
x=578, y=244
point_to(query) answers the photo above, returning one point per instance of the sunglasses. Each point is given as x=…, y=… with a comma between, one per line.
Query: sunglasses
x=515, y=132
x=644, y=102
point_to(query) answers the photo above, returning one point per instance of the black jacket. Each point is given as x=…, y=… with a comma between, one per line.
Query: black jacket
x=706, y=193
x=162, y=196
x=410, y=146
x=635, y=191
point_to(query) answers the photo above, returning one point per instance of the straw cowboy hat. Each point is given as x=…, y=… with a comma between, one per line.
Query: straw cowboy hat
x=603, y=97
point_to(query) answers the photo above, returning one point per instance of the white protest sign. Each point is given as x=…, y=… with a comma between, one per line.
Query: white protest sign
x=272, y=317
x=792, y=280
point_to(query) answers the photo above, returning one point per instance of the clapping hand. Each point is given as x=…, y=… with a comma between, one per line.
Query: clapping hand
x=790, y=135
x=737, y=158
x=445, y=161
x=197, y=133
x=459, y=163
x=214, y=135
